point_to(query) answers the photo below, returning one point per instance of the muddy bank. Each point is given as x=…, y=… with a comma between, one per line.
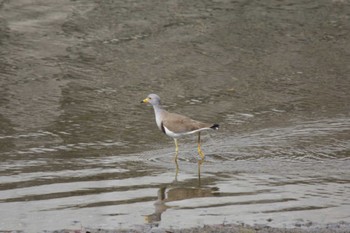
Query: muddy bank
x=341, y=227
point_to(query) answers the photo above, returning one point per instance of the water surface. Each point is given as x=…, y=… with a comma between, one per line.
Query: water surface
x=77, y=149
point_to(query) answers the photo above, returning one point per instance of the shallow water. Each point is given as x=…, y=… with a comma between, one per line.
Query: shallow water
x=77, y=149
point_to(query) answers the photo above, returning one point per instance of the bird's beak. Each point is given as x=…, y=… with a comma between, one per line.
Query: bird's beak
x=145, y=101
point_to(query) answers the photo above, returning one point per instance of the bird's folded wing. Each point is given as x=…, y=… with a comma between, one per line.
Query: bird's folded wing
x=182, y=124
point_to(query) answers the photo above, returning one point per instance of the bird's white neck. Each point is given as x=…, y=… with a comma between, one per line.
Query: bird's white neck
x=158, y=112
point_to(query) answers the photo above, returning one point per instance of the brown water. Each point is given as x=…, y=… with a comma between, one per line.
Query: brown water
x=78, y=150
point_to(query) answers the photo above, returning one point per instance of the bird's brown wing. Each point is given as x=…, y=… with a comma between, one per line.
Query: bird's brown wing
x=180, y=124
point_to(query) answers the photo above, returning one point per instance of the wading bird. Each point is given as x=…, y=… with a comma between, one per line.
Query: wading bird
x=176, y=125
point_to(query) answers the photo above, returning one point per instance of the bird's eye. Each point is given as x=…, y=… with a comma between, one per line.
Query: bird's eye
x=149, y=98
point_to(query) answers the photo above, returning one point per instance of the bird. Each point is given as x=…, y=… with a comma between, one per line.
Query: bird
x=175, y=125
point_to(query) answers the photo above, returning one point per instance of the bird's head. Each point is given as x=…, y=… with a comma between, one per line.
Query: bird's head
x=152, y=99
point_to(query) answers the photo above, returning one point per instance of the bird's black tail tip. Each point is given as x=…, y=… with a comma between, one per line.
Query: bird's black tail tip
x=215, y=126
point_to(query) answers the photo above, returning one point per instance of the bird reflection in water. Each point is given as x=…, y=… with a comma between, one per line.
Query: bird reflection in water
x=176, y=192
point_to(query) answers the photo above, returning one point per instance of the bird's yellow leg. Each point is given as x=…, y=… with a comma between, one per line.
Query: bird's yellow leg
x=176, y=170
x=200, y=152
x=176, y=150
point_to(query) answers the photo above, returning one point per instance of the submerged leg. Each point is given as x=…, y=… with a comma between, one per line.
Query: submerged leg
x=200, y=162
x=175, y=159
x=176, y=170
x=176, y=150
x=200, y=152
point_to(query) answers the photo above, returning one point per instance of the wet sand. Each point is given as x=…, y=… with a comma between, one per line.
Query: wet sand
x=77, y=148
